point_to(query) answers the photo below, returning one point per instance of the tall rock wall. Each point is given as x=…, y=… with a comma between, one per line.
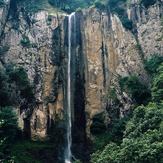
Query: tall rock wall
x=105, y=51
x=36, y=43
x=111, y=51
x=148, y=24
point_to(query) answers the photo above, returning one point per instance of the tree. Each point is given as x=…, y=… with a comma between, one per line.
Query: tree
x=157, y=90
x=143, y=139
x=143, y=135
x=8, y=131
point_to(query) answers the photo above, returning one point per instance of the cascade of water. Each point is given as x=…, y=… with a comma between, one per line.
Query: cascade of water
x=68, y=155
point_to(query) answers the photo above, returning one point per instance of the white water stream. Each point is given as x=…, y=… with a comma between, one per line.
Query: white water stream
x=68, y=154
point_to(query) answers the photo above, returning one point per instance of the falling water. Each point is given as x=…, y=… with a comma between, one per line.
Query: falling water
x=68, y=155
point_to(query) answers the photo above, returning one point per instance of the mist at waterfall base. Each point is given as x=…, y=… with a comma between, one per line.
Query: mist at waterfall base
x=68, y=154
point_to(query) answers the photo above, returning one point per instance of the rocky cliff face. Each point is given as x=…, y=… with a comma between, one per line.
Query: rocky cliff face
x=4, y=9
x=36, y=42
x=105, y=51
x=110, y=52
x=148, y=24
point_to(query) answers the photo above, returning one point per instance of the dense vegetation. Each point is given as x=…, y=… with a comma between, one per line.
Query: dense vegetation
x=14, y=83
x=15, y=87
x=117, y=7
x=142, y=138
x=137, y=91
x=74, y=5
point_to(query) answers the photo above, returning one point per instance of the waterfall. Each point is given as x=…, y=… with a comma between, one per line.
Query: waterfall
x=71, y=26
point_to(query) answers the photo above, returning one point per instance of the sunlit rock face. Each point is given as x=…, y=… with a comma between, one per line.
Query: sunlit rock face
x=31, y=39
x=148, y=25
x=110, y=51
x=105, y=51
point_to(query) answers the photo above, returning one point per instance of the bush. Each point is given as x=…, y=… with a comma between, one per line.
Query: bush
x=15, y=26
x=4, y=50
x=113, y=95
x=25, y=41
x=8, y=131
x=1, y=2
x=138, y=92
x=19, y=76
x=27, y=151
x=148, y=3
x=127, y=23
x=14, y=86
x=153, y=63
x=142, y=140
x=98, y=4
x=97, y=126
x=157, y=89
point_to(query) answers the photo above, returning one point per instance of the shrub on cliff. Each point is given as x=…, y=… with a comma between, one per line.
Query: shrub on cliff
x=97, y=126
x=138, y=92
x=153, y=63
x=1, y=2
x=148, y=3
x=15, y=86
x=157, y=90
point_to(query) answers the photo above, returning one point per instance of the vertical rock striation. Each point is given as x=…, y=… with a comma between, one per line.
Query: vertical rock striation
x=104, y=51
x=36, y=42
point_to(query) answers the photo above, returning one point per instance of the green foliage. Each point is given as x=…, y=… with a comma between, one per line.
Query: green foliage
x=53, y=129
x=143, y=135
x=23, y=151
x=113, y=95
x=157, y=90
x=4, y=50
x=153, y=63
x=98, y=4
x=127, y=23
x=97, y=126
x=14, y=83
x=116, y=7
x=78, y=9
x=25, y=41
x=148, y=3
x=108, y=155
x=144, y=119
x=68, y=5
x=142, y=140
x=77, y=161
x=8, y=131
x=13, y=147
x=114, y=133
x=135, y=89
x=140, y=51
x=15, y=26
x=160, y=38
x=1, y=2
x=101, y=4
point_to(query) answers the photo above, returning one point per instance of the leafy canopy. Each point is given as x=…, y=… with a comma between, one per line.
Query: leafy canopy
x=143, y=135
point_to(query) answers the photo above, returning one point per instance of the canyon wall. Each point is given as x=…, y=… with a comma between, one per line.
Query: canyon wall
x=36, y=42
x=111, y=51
x=105, y=51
